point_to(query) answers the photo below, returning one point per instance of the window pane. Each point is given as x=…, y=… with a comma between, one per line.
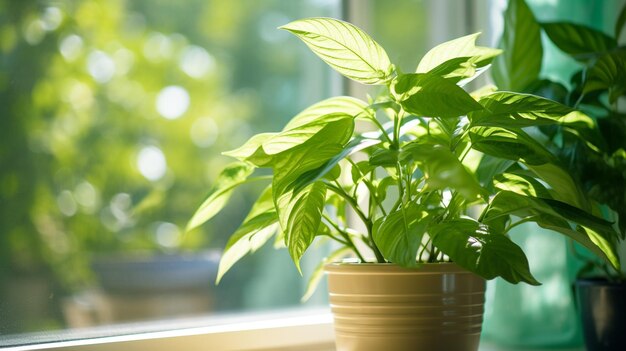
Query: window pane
x=114, y=117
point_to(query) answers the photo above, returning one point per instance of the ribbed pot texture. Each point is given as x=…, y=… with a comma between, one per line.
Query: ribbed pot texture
x=436, y=306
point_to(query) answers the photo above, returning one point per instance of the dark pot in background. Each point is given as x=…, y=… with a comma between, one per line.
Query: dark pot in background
x=145, y=287
x=602, y=307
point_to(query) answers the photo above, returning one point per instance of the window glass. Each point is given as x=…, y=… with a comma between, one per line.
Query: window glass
x=114, y=117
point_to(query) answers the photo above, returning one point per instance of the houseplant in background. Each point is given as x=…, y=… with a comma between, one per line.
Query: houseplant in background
x=436, y=186
x=593, y=148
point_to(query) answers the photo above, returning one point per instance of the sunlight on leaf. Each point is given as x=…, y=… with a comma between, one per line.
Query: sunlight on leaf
x=346, y=48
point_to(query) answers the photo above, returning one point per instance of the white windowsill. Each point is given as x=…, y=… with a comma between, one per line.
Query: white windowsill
x=307, y=330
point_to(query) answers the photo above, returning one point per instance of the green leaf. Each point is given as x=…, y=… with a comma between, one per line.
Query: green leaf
x=251, y=150
x=314, y=153
x=258, y=227
x=362, y=169
x=443, y=170
x=554, y=215
x=288, y=139
x=399, y=234
x=564, y=187
x=520, y=63
x=464, y=47
x=608, y=73
x=384, y=158
x=479, y=249
x=521, y=184
x=585, y=129
x=318, y=273
x=456, y=70
x=311, y=176
x=230, y=178
x=300, y=215
x=335, y=105
x=382, y=186
x=432, y=96
x=346, y=48
x=581, y=42
x=507, y=109
x=508, y=144
x=457, y=59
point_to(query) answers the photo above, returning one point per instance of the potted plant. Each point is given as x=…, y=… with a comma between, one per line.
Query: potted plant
x=592, y=146
x=435, y=188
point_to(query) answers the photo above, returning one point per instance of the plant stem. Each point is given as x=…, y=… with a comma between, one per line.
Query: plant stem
x=401, y=190
x=424, y=248
x=513, y=225
x=367, y=221
x=370, y=187
x=348, y=241
x=382, y=129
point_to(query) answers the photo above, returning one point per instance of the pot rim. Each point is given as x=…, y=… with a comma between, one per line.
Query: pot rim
x=392, y=268
x=599, y=282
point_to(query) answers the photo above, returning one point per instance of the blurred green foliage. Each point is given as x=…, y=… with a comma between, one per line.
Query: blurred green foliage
x=114, y=114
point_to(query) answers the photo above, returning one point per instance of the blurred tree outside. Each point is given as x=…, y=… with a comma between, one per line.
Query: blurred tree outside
x=113, y=117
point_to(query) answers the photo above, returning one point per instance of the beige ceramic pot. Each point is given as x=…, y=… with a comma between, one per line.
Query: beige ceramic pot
x=437, y=306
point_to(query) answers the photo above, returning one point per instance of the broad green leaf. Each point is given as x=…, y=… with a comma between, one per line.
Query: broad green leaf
x=606, y=245
x=443, y=170
x=300, y=215
x=521, y=184
x=399, y=234
x=461, y=47
x=564, y=187
x=311, y=176
x=288, y=139
x=479, y=249
x=619, y=24
x=578, y=40
x=334, y=105
x=455, y=69
x=384, y=158
x=318, y=273
x=230, y=178
x=251, y=151
x=346, y=48
x=507, y=109
x=457, y=59
x=314, y=153
x=608, y=73
x=432, y=96
x=258, y=226
x=484, y=91
x=554, y=215
x=520, y=63
x=508, y=144
x=489, y=166
x=585, y=129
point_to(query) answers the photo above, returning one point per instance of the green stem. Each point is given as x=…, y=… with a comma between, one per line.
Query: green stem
x=369, y=185
x=382, y=129
x=367, y=221
x=348, y=241
x=401, y=194
x=424, y=248
x=513, y=225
